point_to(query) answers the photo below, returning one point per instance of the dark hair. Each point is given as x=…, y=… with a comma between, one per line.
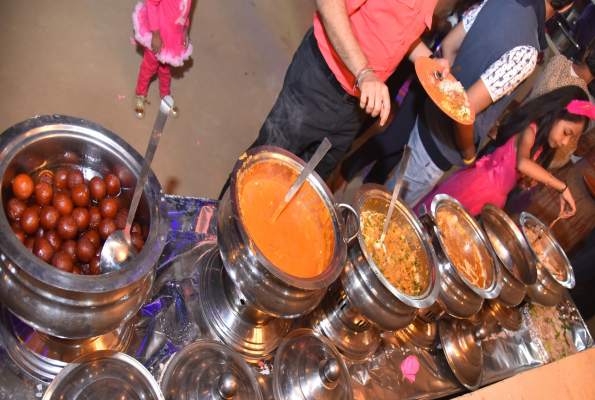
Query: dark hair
x=559, y=4
x=590, y=59
x=544, y=111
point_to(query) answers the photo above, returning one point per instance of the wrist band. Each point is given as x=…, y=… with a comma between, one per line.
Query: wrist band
x=467, y=162
x=565, y=187
x=548, y=182
x=362, y=71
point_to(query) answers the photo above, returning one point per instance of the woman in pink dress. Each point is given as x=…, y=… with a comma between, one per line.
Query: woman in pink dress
x=524, y=146
x=161, y=26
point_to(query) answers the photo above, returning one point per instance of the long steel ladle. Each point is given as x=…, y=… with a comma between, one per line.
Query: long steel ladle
x=118, y=249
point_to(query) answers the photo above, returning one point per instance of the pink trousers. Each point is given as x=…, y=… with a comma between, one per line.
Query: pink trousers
x=148, y=68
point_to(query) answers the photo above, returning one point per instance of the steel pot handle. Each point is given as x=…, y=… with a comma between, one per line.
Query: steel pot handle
x=348, y=207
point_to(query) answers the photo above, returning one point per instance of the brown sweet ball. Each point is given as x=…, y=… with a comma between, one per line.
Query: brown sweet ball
x=54, y=239
x=62, y=261
x=19, y=234
x=108, y=208
x=44, y=194
x=23, y=186
x=98, y=251
x=47, y=177
x=94, y=266
x=43, y=249
x=85, y=250
x=94, y=218
x=63, y=204
x=40, y=232
x=37, y=208
x=15, y=208
x=30, y=221
x=80, y=196
x=84, y=269
x=75, y=177
x=106, y=228
x=67, y=228
x=112, y=184
x=98, y=188
x=29, y=242
x=48, y=217
x=81, y=215
x=15, y=224
x=137, y=241
x=69, y=247
x=94, y=237
x=135, y=228
x=121, y=220
x=76, y=270
x=61, y=179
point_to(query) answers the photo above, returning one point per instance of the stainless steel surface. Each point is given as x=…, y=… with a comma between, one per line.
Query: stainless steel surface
x=209, y=370
x=461, y=342
x=517, y=263
x=457, y=296
x=63, y=304
x=118, y=249
x=421, y=334
x=263, y=285
x=104, y=375
x=307, y=366
x=547, y=290
x=320, y=152
x=549, y=228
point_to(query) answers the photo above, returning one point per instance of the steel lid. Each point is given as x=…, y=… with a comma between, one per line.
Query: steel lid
x=461, y=342
x=421, y=334
x=509, y=318
x=104, y=375
x=209, y=370
x=308, y=366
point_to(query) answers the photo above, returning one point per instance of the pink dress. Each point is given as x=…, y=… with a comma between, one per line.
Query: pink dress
x=488, y=180
x=170, y=17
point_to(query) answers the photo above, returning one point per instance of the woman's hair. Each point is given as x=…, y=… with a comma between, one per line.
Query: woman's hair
x=544, y=111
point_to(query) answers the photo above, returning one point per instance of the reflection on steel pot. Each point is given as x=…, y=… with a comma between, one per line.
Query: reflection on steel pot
x=60, y=303
x=516, y=260
x=549, y=287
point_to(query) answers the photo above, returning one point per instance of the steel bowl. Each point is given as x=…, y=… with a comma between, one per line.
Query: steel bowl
x=548, y=289
x=264, y=286
x=517, y=262
x=59, y=303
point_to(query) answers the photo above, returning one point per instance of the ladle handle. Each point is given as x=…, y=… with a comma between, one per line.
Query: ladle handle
x=166, y=104
x=348, y=207
x=397, y=189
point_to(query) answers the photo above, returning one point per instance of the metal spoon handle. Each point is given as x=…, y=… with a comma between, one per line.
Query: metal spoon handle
x=320, y=152
x=166, y=104
x=546, y=230
x=397, y=189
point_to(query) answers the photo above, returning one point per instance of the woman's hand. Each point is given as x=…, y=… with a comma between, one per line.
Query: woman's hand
x=186, y=41
x=567, y=206
x=156, y=42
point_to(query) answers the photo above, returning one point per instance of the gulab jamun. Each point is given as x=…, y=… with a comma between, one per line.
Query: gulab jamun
x=108, y=208
x=62, y=261
x=75, y=177
x=80, y=196
x=44, y=194
x=40, y=232
x=81, y=215
x=19, y=234
x=48, y=217
x=67, y=228
x=15, y=208
x=95, y=266
x=54, y=239
x=63, y=204
x=112, y=184
x=61, y=178
x=47, y=177
x=137, y=240
x=94, y=218
x=69, y=247
x=29, y=243
x=23, y=186
x=94, y=237
x=98, y=188
x=121, y=220
x=43, y=249
x=135, y=228
x=107, y=226
x=30, y=221
x=85, y=250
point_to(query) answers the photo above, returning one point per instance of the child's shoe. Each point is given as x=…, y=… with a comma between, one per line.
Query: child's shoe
x=139, y=106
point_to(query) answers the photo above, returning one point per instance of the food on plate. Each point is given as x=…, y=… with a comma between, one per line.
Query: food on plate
x=399, y=259
x=539, y=246
x=552, y=331
x=454, y=99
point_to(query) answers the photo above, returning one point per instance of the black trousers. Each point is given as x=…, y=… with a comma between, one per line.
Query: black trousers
x=310, y=107
x=386, y=148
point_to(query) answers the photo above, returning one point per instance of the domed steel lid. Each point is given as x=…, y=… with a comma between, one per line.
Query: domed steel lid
x=104, y=375
x=461, y=342
x=421, y=334
x=307, y=366
x=209, y=370
x=509, y=318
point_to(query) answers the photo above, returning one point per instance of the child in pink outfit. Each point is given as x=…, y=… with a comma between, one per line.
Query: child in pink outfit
x=525, y=146
x=161, y=26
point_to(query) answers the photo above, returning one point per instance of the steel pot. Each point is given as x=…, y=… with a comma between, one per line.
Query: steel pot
x=264, y=286
x=548, y=289
x=59, y=303
x=517, y=262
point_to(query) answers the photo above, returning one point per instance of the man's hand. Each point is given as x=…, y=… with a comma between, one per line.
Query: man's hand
x=445, y=65
x=186, y=38
x=374, y=96
x=156, y=42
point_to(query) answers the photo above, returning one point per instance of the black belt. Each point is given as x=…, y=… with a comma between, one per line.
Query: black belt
x=347, y=98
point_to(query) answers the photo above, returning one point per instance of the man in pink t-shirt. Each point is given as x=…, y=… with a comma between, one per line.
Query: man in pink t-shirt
x=337, y=74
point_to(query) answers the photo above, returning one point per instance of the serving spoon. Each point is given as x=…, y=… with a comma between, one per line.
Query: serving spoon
x=400, y=175
x=118, y=249
x=543, y=233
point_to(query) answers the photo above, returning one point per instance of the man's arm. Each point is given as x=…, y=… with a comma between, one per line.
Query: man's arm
x=374, y=93
x=419, y=49
x=480, y=99
x=452, y=42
